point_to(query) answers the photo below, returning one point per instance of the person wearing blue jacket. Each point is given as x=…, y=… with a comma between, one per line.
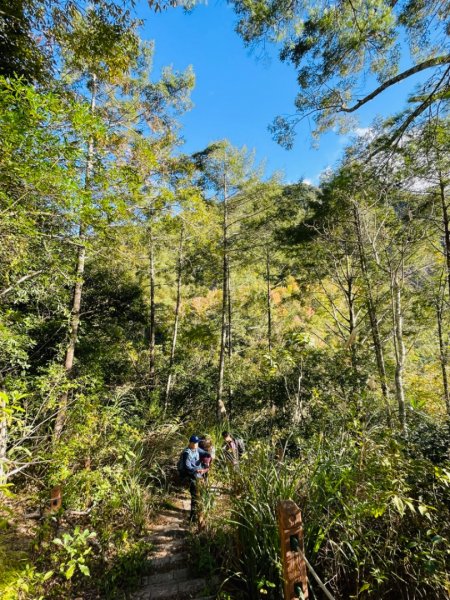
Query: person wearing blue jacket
x=194, y=469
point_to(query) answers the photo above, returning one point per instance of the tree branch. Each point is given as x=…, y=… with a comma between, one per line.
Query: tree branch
x=19, y=281
x=431, y=62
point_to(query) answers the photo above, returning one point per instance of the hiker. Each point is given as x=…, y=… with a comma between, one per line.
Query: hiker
x=205, y=443
x=233, y=449
x=193, y=467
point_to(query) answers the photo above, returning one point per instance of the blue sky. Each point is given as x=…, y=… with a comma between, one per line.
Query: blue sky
x=238, y=93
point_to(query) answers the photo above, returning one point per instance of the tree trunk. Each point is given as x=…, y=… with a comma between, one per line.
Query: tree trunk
x=445, y=221
x=269, y=327
x=298, y=406
x=371, y=309
x=268, y=304
x=73, y=335
x=229, y=340
x=443, y=351
x=399, y=347
x=350, y=296
x=152, y=316
x=3, y=436
x=221, y=410
x=443, y=357
x=176, y=320
x=79, y=279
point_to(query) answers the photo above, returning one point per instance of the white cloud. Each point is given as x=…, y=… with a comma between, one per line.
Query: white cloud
x=365, y=132
x=358, y=132
x=325, y=173
x=420, y=185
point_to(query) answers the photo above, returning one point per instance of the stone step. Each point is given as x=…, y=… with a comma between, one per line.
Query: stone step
x=171, y=576
x=166, y=534
x=173, y=546
x=161, y=541
x=172, y=513
x=166, y=563
x=181, y=504
x=169, y=525
x=184, y=590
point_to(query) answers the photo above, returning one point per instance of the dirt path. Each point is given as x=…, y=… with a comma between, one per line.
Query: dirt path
x=171, y=578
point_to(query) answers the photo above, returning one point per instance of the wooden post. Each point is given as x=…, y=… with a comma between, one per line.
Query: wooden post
x=56, y=498
x=295, y=579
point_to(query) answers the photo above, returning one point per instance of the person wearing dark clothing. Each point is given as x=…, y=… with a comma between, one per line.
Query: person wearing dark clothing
x=195, y=470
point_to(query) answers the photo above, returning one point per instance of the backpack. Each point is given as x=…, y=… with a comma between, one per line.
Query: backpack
x=240, y=446
x=180, y=465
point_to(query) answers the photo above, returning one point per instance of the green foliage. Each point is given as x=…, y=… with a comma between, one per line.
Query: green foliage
x=204, y=553
x=129, y=564
x=94, y=44
x=20, y=52
x=12, y=561
x=261, y=484
x=337, y=315
x=29, y=585
x=74, y=550
x=335, y=48
x=134, y=501
x=60, y=561
x=366, y=514
x=374, y=519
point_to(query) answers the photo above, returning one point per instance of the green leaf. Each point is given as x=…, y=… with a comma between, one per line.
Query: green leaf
x=84, y=569
x=399, y=504
x=70, y=571
x=379, y=511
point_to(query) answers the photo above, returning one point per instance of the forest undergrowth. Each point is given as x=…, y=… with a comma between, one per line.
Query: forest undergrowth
x=375, y=510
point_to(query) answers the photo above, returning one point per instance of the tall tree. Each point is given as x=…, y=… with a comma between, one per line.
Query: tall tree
x=351, y=185
x=424, y=157
x=232, y=183
x=338, y=48
x=97, y=52
x=155, y=106
x=39, y=192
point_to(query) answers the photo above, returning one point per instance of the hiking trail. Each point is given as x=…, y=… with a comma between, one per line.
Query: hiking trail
x=170, y=577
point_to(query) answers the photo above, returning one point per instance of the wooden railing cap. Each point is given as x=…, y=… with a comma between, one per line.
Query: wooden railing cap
x=289, y=514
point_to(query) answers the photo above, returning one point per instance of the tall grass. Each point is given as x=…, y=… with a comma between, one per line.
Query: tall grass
x=376, y=516
x=261, y=484
x=376, y=520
